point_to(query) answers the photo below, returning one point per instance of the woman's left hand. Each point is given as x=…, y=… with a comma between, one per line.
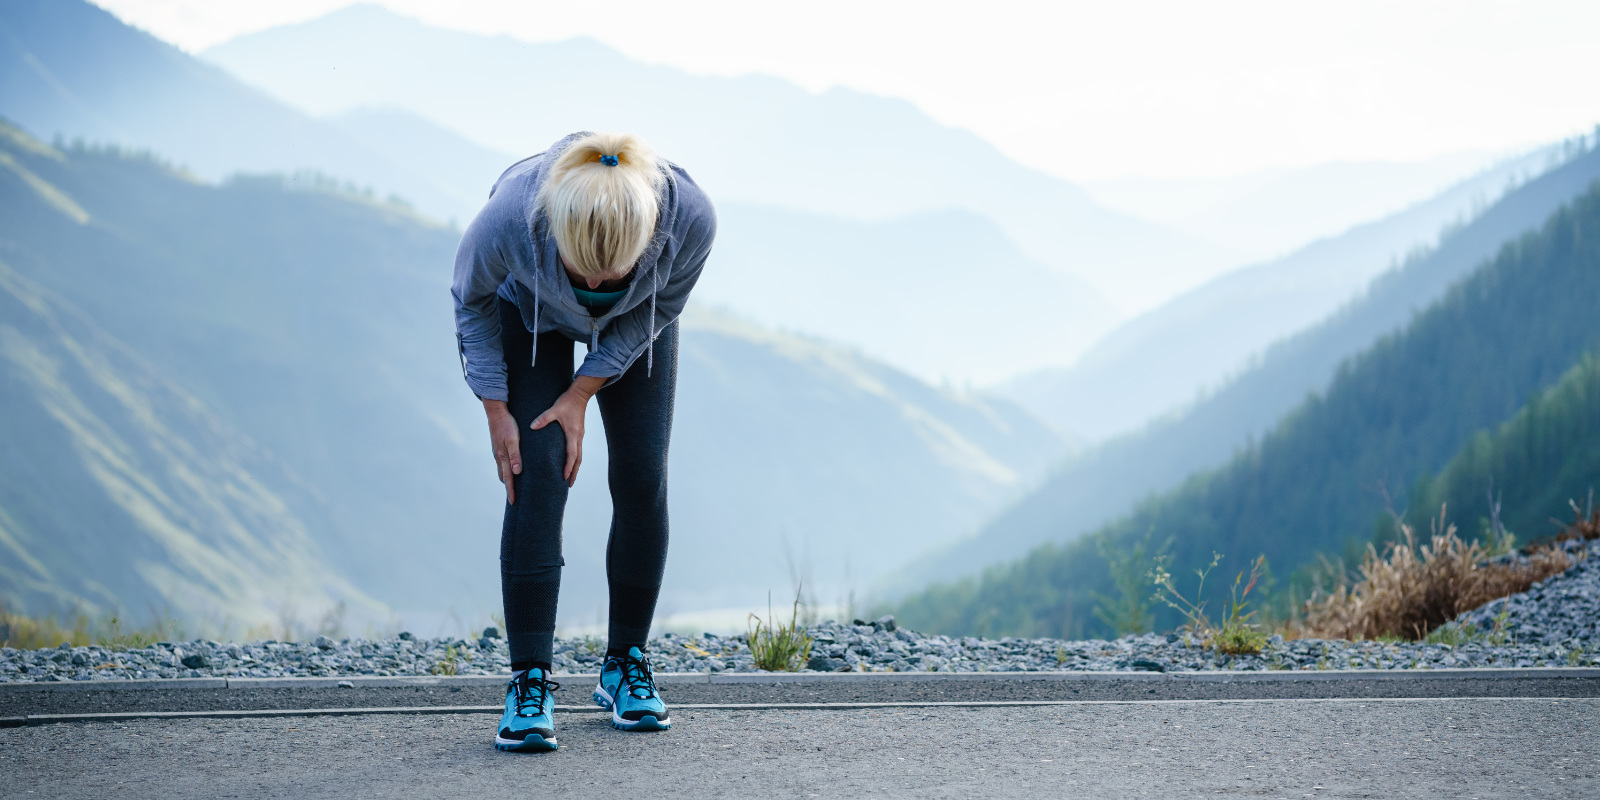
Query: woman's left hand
x=568, y=412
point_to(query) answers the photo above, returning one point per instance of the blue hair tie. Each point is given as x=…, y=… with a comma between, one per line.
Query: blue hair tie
x=609, y=161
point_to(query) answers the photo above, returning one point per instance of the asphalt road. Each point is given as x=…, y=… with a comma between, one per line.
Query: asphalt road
x=1454, y=748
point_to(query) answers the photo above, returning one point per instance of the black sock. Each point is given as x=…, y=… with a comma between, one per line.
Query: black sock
x=523, y=666
x=612, y=652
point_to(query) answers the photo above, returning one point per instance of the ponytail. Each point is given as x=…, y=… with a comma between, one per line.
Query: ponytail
x=600, y=198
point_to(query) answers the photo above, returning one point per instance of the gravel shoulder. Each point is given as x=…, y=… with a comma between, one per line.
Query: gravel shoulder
x=1520, y=748
x=1556, y=623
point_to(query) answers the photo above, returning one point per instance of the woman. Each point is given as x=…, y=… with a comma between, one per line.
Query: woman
x=598, y=241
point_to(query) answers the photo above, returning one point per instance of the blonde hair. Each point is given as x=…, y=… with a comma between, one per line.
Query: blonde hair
x=600, y=199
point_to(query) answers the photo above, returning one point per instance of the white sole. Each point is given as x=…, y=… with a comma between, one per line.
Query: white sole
x=525, y=744
x=649, y=723
x=604, y=700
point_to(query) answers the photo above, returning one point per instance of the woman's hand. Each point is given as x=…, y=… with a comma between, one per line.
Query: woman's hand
x=568, y=412
x=507, y=441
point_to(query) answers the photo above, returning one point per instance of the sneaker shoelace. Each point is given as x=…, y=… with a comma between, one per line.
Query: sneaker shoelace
x=636, y=675
x=532, y=692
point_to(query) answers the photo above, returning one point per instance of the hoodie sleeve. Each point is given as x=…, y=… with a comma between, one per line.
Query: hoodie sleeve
x=628, y=336
x=480, y=269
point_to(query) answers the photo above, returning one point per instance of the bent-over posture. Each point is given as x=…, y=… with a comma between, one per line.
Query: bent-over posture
x=596, y=241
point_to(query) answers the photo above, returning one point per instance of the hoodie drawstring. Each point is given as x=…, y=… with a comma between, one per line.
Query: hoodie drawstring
x=650, y=353
x=533, y=361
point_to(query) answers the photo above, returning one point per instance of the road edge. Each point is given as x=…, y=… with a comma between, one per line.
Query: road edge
x=476, y=681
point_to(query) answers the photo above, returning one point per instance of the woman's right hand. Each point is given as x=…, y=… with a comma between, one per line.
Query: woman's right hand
x=507, y=441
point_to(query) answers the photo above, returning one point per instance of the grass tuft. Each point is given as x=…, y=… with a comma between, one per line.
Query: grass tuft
x=776, y=647
x=1236, y=635
x=450, y=663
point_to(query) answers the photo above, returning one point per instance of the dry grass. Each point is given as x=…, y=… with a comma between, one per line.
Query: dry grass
x=31, y=633
x=1585, y=525
x=1412, y=589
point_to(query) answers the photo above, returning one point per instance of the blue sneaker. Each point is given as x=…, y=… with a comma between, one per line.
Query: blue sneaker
x=628, y=689
x=526, y=723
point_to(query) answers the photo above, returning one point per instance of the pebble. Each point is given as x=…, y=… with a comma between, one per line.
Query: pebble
x=1556, y=623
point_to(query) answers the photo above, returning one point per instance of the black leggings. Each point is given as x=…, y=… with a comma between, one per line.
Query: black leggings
x=637, y=413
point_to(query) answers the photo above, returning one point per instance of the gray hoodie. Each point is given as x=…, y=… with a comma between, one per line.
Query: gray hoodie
x=508, y=252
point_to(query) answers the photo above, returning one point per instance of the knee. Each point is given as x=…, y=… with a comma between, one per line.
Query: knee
x=638, y=488
x=544, y=452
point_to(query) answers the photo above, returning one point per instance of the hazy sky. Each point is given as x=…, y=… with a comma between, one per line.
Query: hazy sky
x=1091, y=90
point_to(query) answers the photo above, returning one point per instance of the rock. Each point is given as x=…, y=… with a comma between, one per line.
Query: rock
x=346, y=685
x=486, y=643
x=196, y=661
x=491, y=632
x=885, y=622
x=823, y=663
x=323, y=643
x=1146, y=665
x=405, y=636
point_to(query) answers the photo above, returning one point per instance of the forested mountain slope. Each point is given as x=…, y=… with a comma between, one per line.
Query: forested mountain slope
x=1323, y=476
x=1089, y=490
x=319, y=325
x=120, y=492
x=1548, y=454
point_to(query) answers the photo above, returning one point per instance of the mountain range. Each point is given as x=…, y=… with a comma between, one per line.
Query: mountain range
x=1332, y=472
x=749, y=139
x=305, y=333
x=1158, y=362
x=937, y=260
x=1107, y=480
x=1268, y=213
